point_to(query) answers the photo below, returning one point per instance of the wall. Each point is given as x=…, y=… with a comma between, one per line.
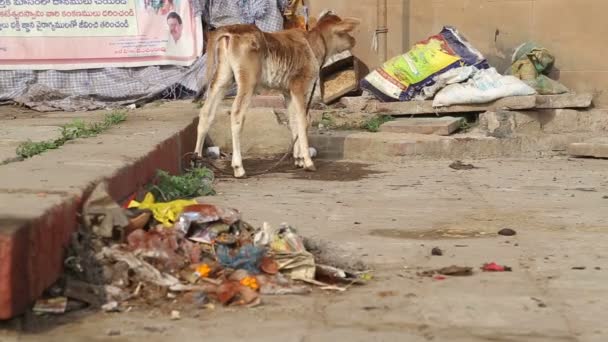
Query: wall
x=574, y=31
x=366, y=11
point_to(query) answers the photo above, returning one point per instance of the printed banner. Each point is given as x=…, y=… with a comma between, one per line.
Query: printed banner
x=84, y=34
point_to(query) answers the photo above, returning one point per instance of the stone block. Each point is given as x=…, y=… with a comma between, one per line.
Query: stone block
x=439, y=126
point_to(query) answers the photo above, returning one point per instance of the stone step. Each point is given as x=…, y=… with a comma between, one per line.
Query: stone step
x=371, y=105
x=596, y=148
x=439, y=126
x=402, y=147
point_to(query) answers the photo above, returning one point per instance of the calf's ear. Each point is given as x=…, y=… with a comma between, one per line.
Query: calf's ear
x=347, y=25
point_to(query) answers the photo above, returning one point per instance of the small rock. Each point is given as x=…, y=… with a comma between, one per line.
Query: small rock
x=113, y=332
x=580, y=268
x=605, y=197
x=436, y=251
x=175, y=315
x=312, y=151
x=458, y=165
x=598, y=268
x=507, y=232
x=154, y=329
x=110, y=307
x=357, y=222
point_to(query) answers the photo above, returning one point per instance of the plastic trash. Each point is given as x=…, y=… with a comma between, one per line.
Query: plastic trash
x=164, y=212
x=246, y=258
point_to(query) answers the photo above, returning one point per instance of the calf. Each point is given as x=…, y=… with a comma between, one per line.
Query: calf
x=288, y=61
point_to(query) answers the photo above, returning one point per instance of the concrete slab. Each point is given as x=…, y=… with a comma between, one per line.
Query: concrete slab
x=440, y=126
x=507, y=103
x=426, y=107
x=570, y=100
x=401, y=147
x=596, y=148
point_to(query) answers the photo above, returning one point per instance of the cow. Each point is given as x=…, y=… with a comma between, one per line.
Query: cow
x=288, y=61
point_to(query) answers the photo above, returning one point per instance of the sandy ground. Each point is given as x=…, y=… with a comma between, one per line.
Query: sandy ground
x=391, y=218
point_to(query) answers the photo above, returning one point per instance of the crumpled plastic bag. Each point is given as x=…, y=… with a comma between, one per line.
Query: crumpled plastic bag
x=166, y=213
x=290, y=254
x=246, y=258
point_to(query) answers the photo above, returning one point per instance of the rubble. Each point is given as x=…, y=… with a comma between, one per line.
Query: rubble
x=189, y=252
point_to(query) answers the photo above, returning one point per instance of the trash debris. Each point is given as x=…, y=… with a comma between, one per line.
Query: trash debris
x=312, y=151
x=85, y=292
x=507, y=232
x=458, y=165
x=494, y=267
x=213, y=152
x=175, y=315
x=111, y=307
x=142, y=269
x=436, y=251
x=56, y=305
x=185, y=251
x=449, y=271
x=102, y=214
x=580, y=268
x=164, y=212
x=402, y=78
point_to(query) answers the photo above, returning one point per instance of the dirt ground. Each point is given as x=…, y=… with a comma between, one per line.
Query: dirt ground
x=391, y=216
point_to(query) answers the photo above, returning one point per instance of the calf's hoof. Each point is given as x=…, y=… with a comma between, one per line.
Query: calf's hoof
x=311, y=168
x=239, y=172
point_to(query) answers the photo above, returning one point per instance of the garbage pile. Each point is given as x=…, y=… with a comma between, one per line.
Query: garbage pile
x=448, y=69
x=204, y=252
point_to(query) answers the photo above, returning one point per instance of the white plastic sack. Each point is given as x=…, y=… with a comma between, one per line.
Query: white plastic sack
x=449, y=77
x=485, y=86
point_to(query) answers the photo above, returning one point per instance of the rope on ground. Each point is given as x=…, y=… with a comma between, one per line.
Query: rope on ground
x=220, y=170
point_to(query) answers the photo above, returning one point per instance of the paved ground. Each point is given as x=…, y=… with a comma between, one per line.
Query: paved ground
x=391, y=220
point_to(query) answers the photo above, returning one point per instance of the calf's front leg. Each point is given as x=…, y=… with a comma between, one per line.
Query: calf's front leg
x=298, y=99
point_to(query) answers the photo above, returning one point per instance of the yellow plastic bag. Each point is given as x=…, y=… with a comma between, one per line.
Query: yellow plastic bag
x=165, y=213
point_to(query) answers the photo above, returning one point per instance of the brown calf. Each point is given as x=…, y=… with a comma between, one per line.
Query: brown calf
x=288, y=60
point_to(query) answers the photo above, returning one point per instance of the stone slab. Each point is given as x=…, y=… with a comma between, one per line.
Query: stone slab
x=572, y=100
x=596, y=148
x=439, y=126
x=426, y=107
